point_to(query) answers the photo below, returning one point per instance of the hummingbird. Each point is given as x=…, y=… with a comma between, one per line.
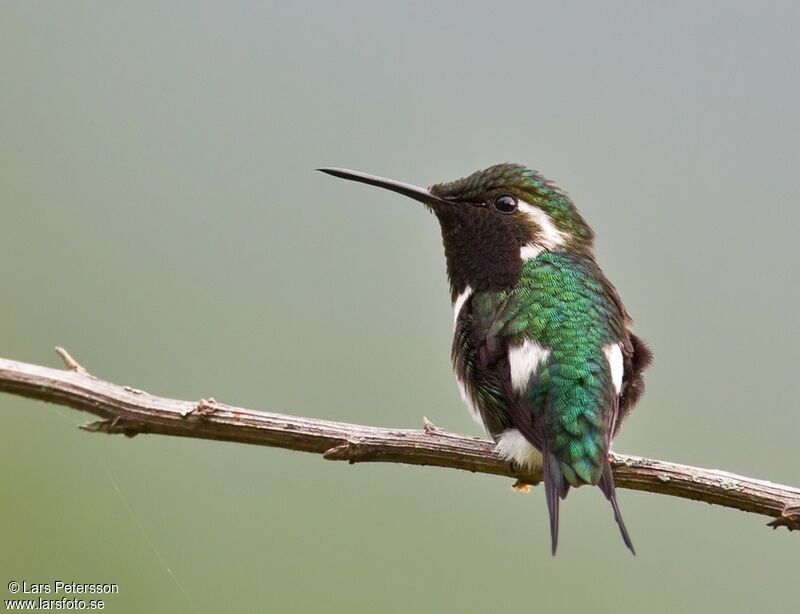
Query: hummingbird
x=543, y=347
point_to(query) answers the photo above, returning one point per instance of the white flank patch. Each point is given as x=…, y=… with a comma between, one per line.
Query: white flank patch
x=549, y=237
x=470, y=402
x=459, y=303
x=524, y=361
x=512, y=446
x=613, y=352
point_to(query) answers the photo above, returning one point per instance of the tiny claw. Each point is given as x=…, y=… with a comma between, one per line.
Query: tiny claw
x=521, y=486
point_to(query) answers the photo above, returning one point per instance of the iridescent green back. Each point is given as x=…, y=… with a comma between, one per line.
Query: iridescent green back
x=562, y=302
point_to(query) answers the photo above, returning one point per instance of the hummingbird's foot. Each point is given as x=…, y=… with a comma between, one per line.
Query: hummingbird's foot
x=521, y=486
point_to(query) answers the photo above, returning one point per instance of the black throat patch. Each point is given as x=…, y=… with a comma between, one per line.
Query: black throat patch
x=482, y=248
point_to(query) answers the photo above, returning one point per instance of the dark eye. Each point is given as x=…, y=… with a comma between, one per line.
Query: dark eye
x=505, y=203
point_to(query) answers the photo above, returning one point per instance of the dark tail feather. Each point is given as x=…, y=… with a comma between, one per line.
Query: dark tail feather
x=606, y=484
x=554, y=489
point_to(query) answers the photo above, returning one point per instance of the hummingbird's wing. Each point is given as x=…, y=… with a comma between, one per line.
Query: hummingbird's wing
x=637, y=356
x=637, y=359
x=480, y=360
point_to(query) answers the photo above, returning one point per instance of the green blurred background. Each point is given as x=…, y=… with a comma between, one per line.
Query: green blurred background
x=161, y=219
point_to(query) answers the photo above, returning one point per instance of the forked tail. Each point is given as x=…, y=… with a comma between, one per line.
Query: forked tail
x=556, y=488
x=606, y=484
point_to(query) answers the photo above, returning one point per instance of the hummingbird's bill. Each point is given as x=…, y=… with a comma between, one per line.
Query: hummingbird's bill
x=423, y=195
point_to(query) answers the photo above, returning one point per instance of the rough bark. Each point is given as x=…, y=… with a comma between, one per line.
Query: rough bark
x=129, y=411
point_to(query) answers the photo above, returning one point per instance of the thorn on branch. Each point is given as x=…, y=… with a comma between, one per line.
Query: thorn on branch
x=115, y=426
x=429, y=427
x=340, y=452
x=70, y=362
x=204, y=407
x=789, y=518
x=350, y=451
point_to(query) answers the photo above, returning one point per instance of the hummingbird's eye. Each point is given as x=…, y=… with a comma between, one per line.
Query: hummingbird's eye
x=505, y=203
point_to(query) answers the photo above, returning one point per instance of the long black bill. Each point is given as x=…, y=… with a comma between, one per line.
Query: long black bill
x=406, y=189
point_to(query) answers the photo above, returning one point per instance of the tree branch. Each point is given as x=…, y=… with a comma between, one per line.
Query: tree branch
x=132, y=412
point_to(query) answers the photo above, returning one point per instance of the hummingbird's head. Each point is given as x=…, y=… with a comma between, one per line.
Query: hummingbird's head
x=493, y=221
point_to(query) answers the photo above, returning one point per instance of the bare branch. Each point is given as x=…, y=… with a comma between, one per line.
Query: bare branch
x=129, y=411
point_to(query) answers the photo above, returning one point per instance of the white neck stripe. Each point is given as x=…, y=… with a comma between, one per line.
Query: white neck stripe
x=458, y=304
x=549, y=236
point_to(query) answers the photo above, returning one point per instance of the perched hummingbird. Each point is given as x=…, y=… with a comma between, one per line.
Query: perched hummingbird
x=543, y=348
